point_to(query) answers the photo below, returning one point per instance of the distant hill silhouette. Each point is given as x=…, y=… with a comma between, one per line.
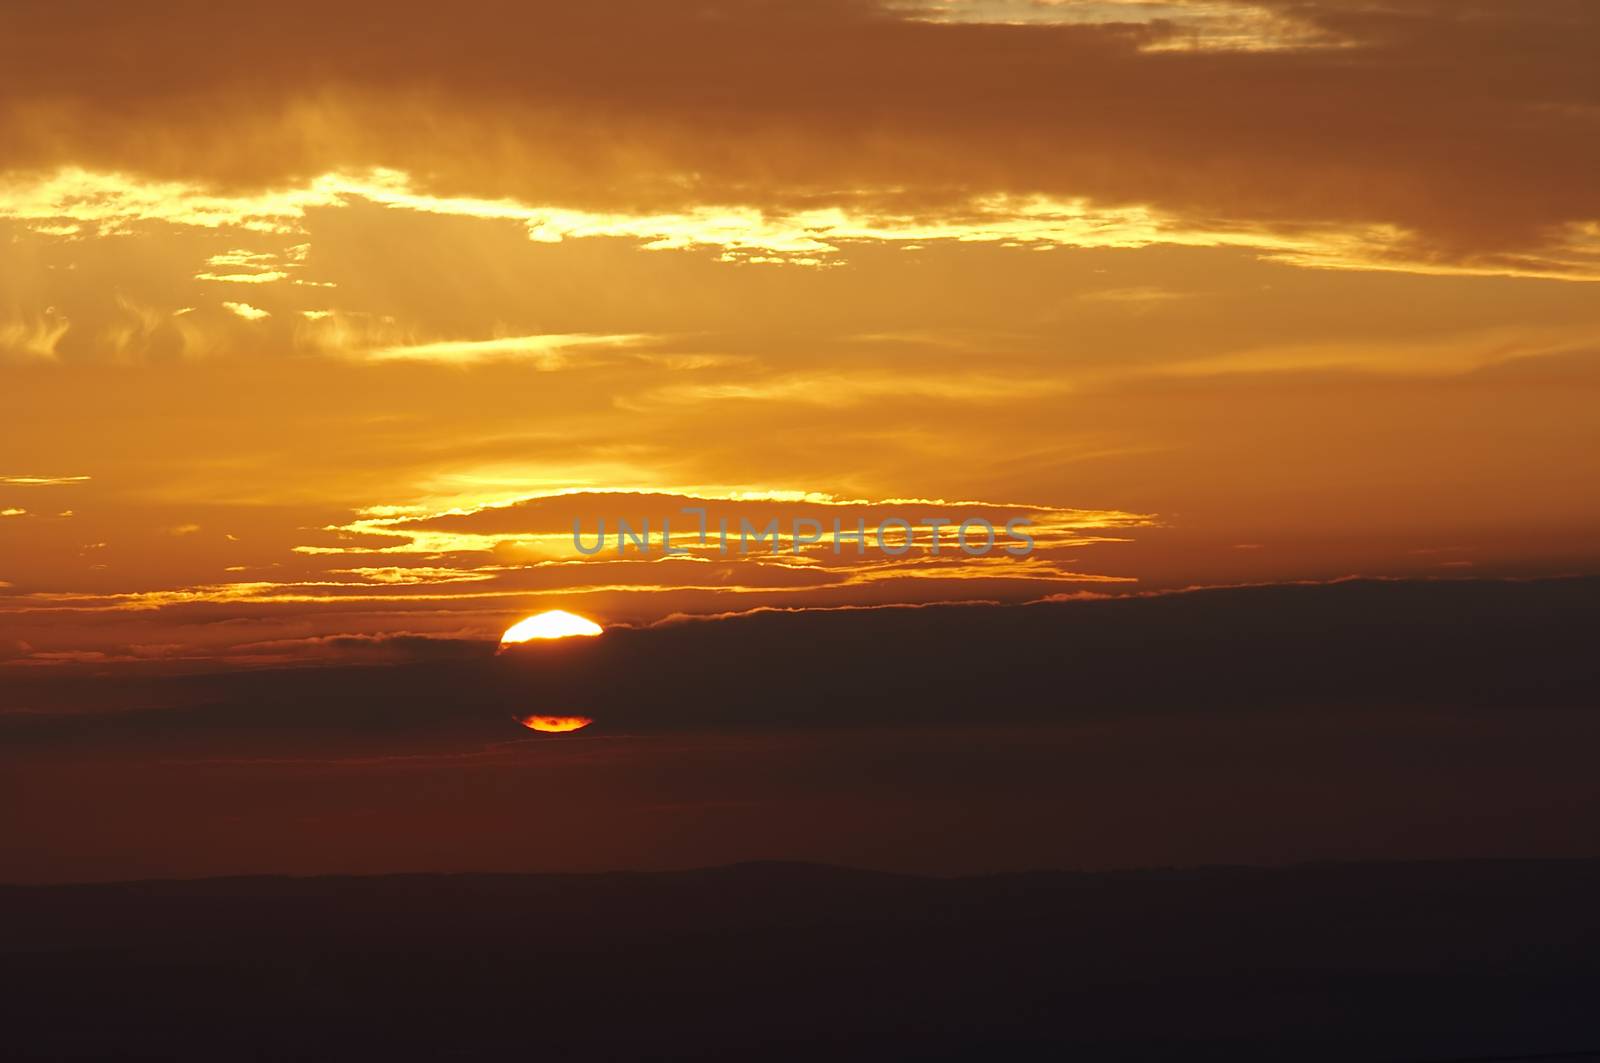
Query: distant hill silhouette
x=1421, y=961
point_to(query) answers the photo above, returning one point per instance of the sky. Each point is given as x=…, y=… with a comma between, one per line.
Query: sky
x=1271, y=324
x=321, y=324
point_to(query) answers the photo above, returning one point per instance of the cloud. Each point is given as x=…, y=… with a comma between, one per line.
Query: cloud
x=259, y=267
x=243, y=278
x=472, y=568
x=547, y=351
x=1136, y=295
x=1419, y=135
x=1171, y=25
x=41, y=481
x=847, y=387
x=246, y=311
x=381, y=648
x=36, y=338
x=1509, y=645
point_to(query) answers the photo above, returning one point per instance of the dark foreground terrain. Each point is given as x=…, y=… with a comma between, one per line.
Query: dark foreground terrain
x=1426, y=961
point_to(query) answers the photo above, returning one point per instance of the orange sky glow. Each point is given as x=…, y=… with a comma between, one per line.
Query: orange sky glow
x=324, y=340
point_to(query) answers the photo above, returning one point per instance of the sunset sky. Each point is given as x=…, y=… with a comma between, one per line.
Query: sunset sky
x=319, y=324
x=800, y=529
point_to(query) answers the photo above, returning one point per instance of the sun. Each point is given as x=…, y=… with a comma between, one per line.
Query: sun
x=555, y=724
x=552, y=624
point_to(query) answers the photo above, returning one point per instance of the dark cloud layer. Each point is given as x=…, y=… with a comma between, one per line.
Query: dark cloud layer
x=1471, y=127
x=1410, y=646
x=1292, y=723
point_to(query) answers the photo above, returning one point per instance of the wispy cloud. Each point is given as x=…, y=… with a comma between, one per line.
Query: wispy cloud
x=41, y=481
x=547, y=351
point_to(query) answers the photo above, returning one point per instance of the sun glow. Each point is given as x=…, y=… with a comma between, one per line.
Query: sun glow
x=552, y=624
x=555, y=724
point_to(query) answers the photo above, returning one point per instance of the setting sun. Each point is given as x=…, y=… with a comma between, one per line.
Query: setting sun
x=555, y=724
x=552, y=624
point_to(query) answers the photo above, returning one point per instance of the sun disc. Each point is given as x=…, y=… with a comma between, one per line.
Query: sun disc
x=552, y=624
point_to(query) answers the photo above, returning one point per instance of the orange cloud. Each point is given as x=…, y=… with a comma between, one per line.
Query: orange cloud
x=1404, y=135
